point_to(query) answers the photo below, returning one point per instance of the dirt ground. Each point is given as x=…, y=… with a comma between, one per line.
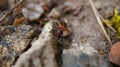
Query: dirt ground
x=85, y=28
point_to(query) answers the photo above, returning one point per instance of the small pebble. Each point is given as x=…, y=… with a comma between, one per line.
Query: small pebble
x=4, y=50
x=114, y=55
x=54, y=13
x=32, y=11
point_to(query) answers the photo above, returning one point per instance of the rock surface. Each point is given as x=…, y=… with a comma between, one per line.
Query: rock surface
x=13, y=40
x=82, y=55
x=41, y=54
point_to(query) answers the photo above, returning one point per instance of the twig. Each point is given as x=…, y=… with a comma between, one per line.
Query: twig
x=6, y=26
x=108, y=24
x=11, y=10
x=100, y=22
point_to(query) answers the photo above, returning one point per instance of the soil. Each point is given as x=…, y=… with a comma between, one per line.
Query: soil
x=85, y=28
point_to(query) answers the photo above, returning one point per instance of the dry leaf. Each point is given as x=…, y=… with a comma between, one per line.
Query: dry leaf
x=19, y=21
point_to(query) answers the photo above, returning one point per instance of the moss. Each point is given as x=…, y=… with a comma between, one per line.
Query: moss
x=115, y=22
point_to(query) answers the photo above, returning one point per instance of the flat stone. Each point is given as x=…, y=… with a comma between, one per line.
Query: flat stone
x=13, y=41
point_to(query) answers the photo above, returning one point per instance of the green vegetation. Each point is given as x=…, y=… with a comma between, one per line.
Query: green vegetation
x=115, y=22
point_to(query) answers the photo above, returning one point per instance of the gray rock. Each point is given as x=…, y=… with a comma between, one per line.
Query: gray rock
x=13, y=41
x=82, y=55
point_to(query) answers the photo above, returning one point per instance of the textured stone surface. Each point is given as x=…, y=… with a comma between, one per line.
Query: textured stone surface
x=82, y=55
x=41, y=54
x=114, y=55
x=13, y=40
